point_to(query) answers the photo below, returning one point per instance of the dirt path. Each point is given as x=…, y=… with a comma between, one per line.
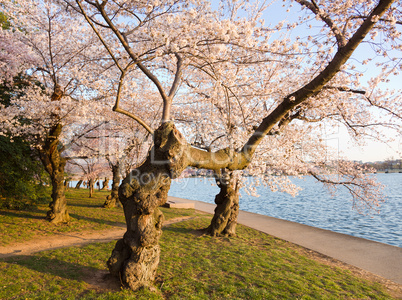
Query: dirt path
x=69, y=239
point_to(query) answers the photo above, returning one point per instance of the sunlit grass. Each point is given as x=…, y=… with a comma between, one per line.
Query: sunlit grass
x=193, y=266
x=253, y=265
x=87, y=214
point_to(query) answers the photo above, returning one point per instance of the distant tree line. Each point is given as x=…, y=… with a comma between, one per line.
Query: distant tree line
x=389, y=165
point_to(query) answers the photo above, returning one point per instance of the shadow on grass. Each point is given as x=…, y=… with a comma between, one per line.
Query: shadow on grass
x=86, y=205
x=24, y=214
x=174, y=229
x=71, y=271
x=96, y=220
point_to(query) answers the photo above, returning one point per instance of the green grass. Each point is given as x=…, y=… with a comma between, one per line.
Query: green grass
x=193, y=266
x=87, y=214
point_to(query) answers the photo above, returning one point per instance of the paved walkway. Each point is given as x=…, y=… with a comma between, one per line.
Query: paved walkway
x=378, y=258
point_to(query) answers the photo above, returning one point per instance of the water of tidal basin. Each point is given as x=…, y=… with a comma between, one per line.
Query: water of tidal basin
x=314, y=206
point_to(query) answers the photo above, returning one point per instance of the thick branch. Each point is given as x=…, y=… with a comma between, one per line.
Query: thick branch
x=221, y=159
x=139, y=120
x=314, y=86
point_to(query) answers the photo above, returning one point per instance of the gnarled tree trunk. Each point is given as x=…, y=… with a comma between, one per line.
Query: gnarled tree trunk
x=66, y=184
x=224, y=220
x=135, y=257
x=91, y=184
x=54, y=164
x=113, y=199
x=78, y=185
x=105, y=184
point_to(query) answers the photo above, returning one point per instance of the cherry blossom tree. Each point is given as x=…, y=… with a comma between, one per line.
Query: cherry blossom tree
x=115, y=147
x=174, y=44
x=15, y=56
x=286, y=149
x=91, y=168
x=59, y=78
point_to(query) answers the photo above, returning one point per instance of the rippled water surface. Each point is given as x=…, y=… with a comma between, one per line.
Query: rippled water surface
x=314, y=206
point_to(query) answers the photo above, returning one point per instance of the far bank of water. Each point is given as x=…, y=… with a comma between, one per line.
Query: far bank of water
x=314, y=206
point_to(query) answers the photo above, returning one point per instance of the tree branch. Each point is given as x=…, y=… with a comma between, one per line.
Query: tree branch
x=126, y=46
x=344, y=89
x=314, y=86
x=384, y=108
x=99, y=35
x=341, y=41
x=177, y=77
x=116, y=107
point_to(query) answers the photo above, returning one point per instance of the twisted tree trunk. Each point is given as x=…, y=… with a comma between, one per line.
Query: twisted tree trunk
x=224, y=220
x=135, y=258
x=105, y=184
x=54, y=164
x=113, y=199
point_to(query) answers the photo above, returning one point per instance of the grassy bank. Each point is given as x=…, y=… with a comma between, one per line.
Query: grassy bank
x=87, y=214
x=193, y=266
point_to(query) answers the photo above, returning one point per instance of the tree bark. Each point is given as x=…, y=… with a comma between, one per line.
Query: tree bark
x=113, y=199
x=224, y=220
x=105, y=184
x=91, y=184
x=78, y=185
x=54, y=164
x=135, y=258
